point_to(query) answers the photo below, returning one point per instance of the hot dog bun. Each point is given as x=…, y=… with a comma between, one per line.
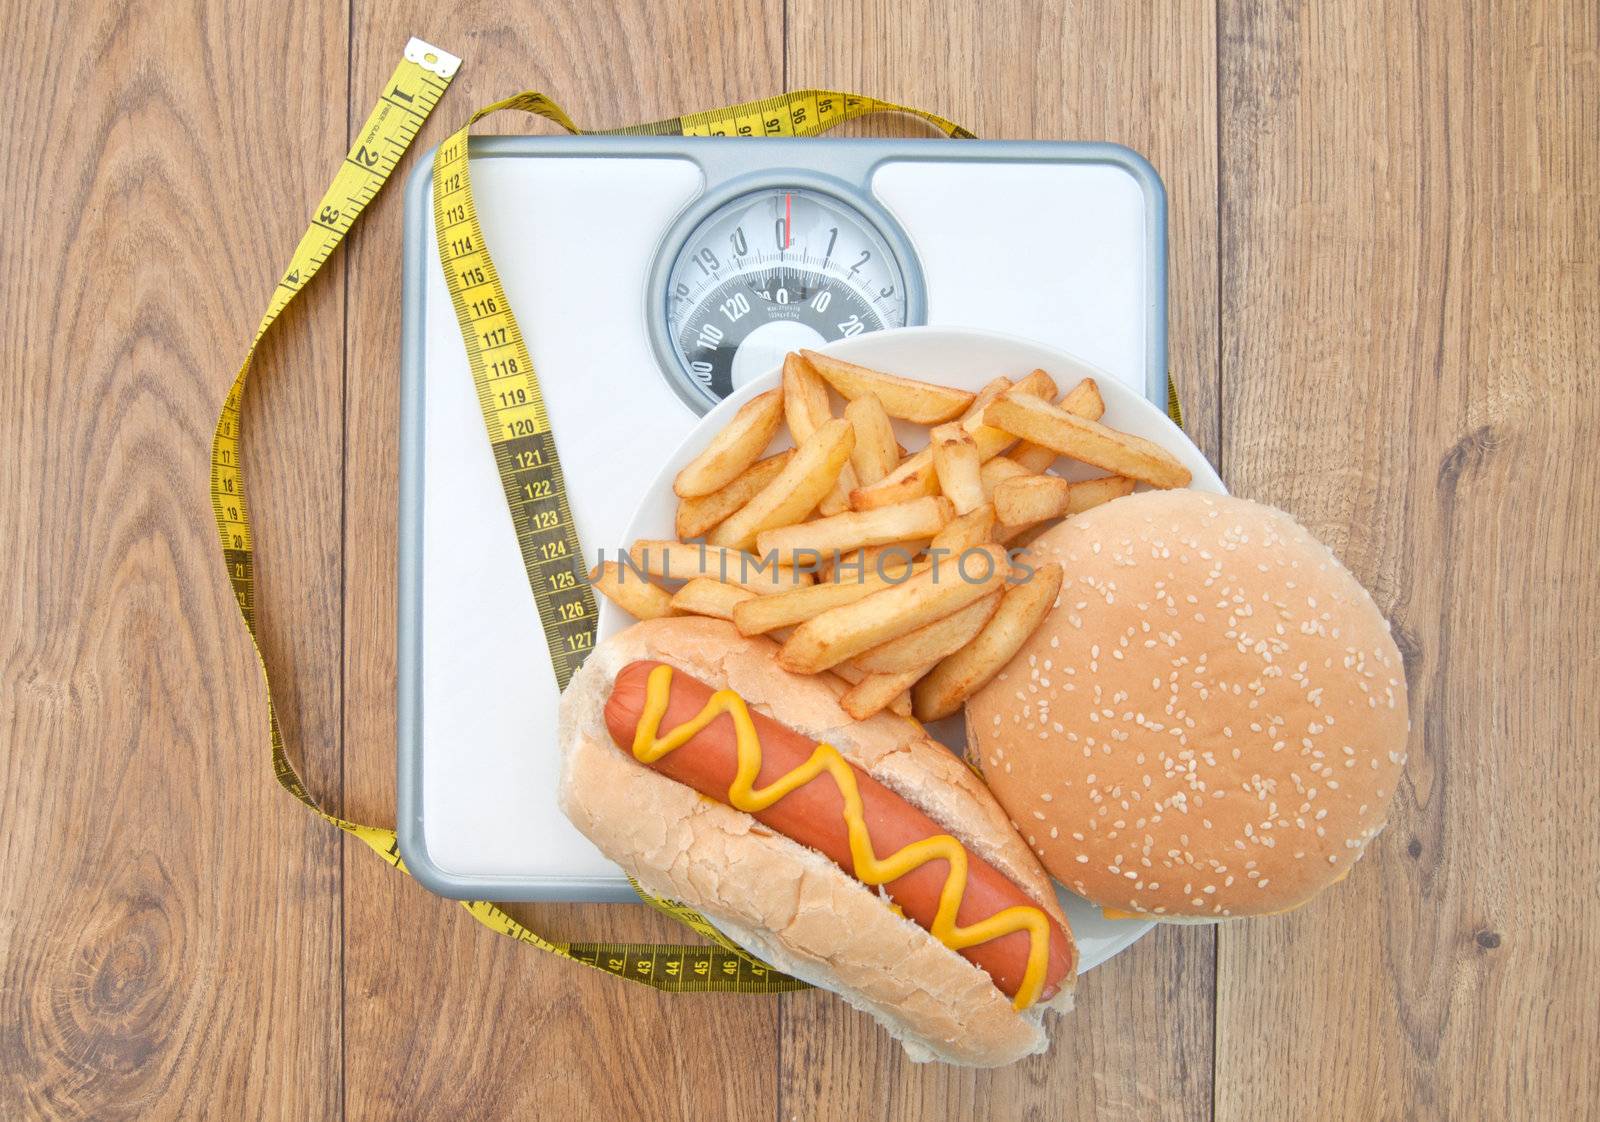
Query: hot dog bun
x=786, y=903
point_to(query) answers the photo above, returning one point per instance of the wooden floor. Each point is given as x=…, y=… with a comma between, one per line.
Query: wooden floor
x=1385, y=263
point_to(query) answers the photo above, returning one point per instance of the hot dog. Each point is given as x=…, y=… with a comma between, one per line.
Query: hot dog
x=813, y=815
x=764, y=852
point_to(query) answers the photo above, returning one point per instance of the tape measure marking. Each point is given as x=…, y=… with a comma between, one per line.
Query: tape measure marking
x=514, y=413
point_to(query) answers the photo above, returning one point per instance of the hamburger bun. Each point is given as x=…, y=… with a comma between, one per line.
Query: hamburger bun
x=1212, y=720
x=783, y=902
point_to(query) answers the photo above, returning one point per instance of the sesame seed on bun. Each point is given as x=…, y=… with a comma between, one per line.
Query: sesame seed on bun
x=1211, y=721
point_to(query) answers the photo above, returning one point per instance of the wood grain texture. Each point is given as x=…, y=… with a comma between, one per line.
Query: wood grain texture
x=1139, y=1043
x=440, y=1010
x=1411, y=318
x=1140, y=75
x=169, y=921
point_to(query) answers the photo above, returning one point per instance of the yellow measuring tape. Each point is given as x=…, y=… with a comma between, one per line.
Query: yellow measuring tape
x=519, y=430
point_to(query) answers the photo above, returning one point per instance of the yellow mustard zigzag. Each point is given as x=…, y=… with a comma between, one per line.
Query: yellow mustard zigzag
x=869, y=869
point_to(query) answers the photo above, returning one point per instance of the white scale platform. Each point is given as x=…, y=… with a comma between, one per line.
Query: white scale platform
x=1064, y=243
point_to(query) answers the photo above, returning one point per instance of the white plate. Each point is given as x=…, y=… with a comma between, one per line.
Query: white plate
x=968, y=359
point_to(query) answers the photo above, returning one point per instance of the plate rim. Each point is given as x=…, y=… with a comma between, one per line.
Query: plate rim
x=611, y=619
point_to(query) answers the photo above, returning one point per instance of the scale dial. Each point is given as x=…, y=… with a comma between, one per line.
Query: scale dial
x=770, y=271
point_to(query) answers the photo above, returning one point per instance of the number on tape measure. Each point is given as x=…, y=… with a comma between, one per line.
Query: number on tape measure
x=509, y=394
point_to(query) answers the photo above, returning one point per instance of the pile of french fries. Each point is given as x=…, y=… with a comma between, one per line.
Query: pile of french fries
x=888, y=571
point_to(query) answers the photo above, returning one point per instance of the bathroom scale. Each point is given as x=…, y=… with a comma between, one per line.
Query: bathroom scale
x=653, y=276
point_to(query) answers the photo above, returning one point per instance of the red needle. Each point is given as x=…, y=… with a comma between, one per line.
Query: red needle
x=787, y=201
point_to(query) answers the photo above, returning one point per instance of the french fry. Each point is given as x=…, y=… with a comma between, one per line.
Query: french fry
x=1034, y=498
x=972, y=528
x=806, y=409
x=848, y=672
x=699, y=514
x=840, y=685
x=841, y=533
x=1084, y=400
x=1037, y=383
x=706, y=597
x=990, y=440
x=1022, y=608
x=798, y=488
x=837, y=499
x=805, y=397
x=888, y=561
x=734, y=448
x=850, y=676
x=1030, y=498
x=915, y=475
x=631, y=592
x=1090, y=493
x=913, y=478
x=828, y=639
x=764, y=614
x=906, y=398
x=998, y=470
x=892, y=561
x=1019, y=537
x=931, y=642
x=956, y=463
x=1088, y=441
x=991, y=390
x=876, y=692
x=876, y=451
x=687, y=560
x=1030, y=457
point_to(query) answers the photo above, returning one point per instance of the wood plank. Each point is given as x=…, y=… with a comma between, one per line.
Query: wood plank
x=1086, y=70
x=436, y=1002
x=1139, y=1042
x=1411, y=277
x=169, y=919
x=1137, y=1045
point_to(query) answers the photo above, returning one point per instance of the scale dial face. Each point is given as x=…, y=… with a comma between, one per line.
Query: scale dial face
x=771, y=271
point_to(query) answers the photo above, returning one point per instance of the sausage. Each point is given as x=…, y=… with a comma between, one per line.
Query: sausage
x=813, y=815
